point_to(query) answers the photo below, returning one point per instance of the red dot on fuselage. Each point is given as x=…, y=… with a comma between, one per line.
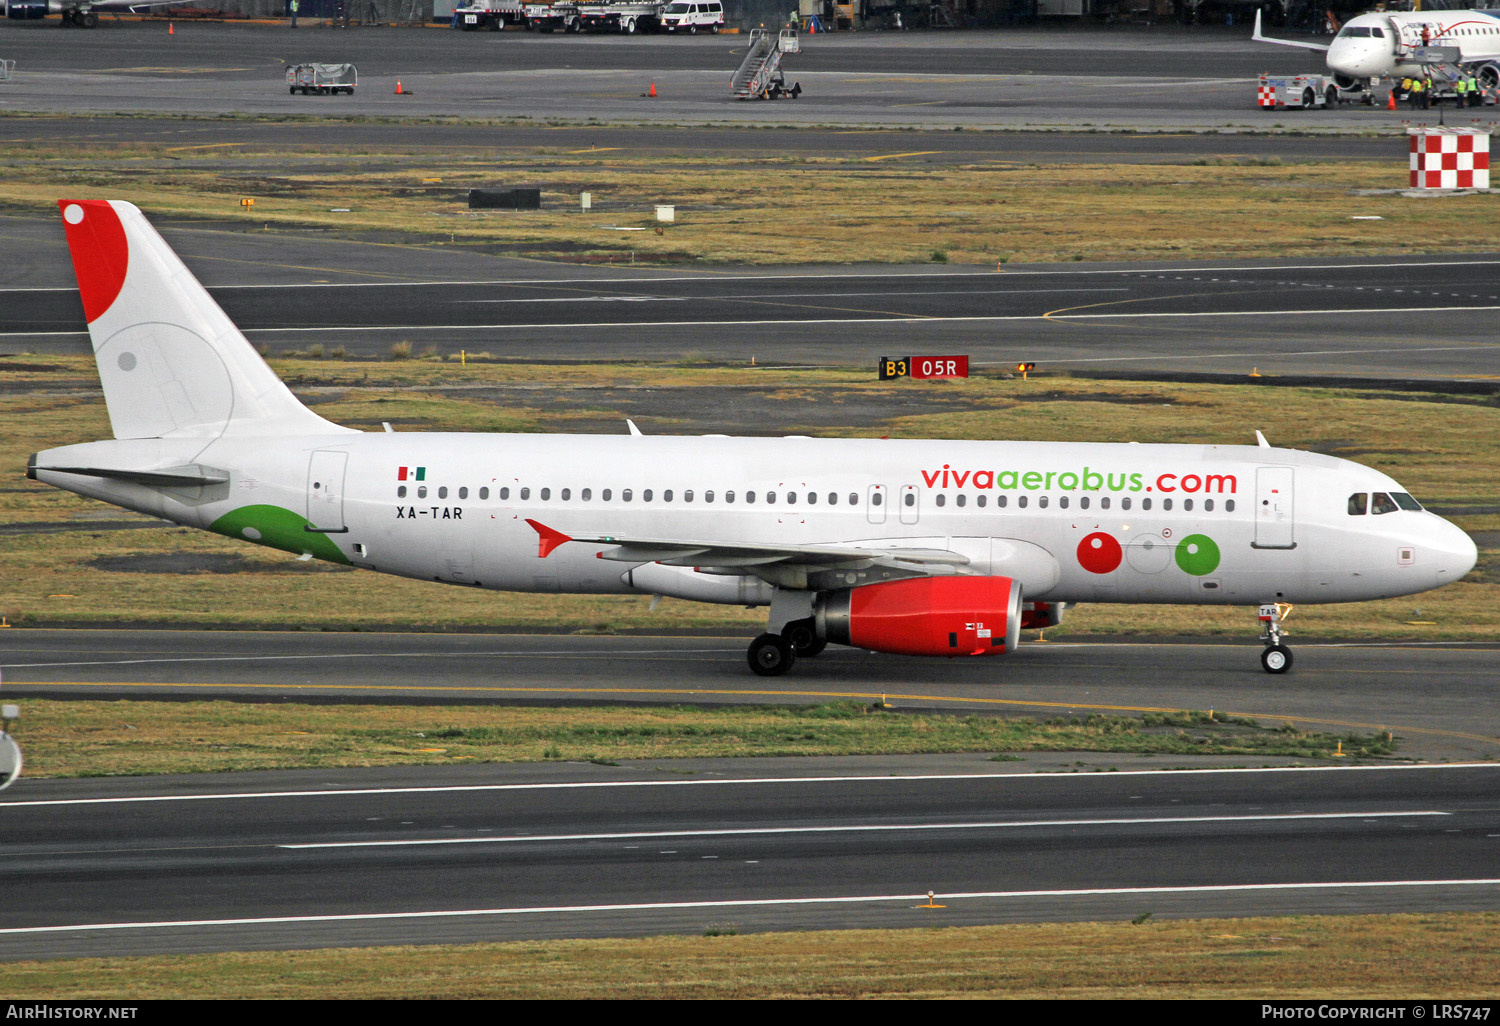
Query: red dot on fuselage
x=1099, y=553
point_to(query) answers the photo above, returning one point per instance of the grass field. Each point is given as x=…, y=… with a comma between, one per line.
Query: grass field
x=88, y=738
x=1445, y=957
x=781, y=210
x=63, y=570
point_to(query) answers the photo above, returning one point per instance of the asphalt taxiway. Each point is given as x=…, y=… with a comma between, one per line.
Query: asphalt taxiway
x=1399, y=317
x=499, y=853
x=1436, y=697
x=1150, y=79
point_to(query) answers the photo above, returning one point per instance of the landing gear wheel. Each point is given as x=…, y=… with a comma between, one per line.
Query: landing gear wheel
x=90, y=20
x=1276, y=659
x=771, y=655
x=804, y=639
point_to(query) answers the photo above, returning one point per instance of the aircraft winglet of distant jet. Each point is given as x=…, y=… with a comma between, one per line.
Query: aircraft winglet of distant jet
x=79, y=13
x=919, y=547
x=1371, y=47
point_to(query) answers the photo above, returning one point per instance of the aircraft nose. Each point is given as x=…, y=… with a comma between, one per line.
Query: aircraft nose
x=1454, y=551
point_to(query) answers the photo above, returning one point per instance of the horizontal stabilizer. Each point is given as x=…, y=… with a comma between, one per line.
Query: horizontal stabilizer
x=192, y=476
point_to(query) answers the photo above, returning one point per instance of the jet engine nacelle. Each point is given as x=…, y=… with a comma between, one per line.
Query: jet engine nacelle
x=1489, y=76
x=946, y=616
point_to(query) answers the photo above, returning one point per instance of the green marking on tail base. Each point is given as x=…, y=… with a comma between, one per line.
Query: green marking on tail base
x=278, y=528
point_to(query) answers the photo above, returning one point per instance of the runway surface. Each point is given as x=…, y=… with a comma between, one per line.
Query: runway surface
x=1410, y=317
x=1167, y=77
x=494, y=853
x=1439, y=698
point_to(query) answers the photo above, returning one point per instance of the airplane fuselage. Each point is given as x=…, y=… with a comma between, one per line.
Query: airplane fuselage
x=1381, y=45
x=1072, y=522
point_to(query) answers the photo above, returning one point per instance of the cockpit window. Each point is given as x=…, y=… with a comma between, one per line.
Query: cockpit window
x=1405, y=501
x=1378, y=33
x=1383, y=503
x=1353, y=30
x=1359, y=502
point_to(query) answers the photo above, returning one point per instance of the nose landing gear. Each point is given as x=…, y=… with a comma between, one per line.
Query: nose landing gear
x=1276, y=658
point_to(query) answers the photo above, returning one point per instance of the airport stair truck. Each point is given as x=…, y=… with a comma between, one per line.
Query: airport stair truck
x=760, y=76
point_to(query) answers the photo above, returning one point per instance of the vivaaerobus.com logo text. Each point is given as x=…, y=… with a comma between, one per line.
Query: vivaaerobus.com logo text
x=1085, y=480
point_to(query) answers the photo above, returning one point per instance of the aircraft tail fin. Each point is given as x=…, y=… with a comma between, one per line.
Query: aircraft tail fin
x=1256, y=37
x=171, y=361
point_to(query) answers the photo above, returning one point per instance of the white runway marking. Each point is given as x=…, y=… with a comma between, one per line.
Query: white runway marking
x=1061, y=779
x=750, y=903
x=867, y=828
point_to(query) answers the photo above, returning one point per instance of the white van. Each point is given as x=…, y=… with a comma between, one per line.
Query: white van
x=692, y=15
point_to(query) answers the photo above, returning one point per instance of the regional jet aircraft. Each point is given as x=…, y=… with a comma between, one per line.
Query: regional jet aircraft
x=920, y=547
x=1383, y=45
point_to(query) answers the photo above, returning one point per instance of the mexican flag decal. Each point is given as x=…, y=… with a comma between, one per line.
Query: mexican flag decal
x=411, y=474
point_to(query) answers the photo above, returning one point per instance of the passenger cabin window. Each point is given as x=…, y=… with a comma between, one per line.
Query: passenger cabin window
x=401, y=491
x=1359, y=504
x=525, y=493
x=484, y=493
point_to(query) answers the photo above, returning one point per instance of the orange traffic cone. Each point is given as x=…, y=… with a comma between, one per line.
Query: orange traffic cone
x=652, y=93
x=398, y=87
x=171, y=29
x=1391, y=103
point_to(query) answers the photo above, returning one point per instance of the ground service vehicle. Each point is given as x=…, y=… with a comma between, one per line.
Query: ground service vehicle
x=326, y=79
x=1276, y=92
x=491, y=14
x=552, y=17
x=692, y=16
x=629, y=18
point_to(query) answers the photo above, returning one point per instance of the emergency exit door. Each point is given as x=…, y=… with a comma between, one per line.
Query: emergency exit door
x=1274, y=523
x=325, y=491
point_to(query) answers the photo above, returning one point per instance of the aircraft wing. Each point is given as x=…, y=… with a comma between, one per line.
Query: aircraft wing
x=1256, y=37
x=774, y=563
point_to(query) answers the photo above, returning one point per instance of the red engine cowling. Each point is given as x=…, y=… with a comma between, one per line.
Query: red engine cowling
x=941, y=616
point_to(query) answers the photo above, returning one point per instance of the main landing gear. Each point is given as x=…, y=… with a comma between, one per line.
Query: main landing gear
x=1276, y=658
x=771, y=655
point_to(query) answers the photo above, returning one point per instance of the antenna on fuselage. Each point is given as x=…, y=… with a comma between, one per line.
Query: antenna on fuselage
x=1260, y=440
x=631, y=425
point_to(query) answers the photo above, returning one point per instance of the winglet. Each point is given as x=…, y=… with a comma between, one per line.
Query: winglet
x=547, y=539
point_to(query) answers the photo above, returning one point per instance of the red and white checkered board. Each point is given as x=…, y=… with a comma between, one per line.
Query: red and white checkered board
x=1265, y=95
x=1449, y=158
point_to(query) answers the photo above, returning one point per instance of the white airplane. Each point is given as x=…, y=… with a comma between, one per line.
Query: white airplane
x=1382, y=45
x=921, y=547
x=79, y=13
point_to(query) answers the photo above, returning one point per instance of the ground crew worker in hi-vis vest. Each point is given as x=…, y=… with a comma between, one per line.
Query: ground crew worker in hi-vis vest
x=294, y=13
x=1416, y=95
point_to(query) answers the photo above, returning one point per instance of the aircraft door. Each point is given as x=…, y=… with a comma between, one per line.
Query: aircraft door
x=1274, y=524
x=875, y=503
x=325, y=491
x=910, y=504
